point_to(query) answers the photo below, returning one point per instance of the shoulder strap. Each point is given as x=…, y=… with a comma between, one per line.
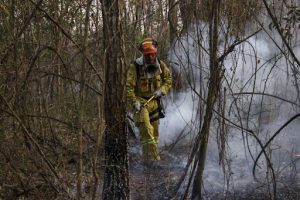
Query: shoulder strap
x=137, y=68
x=158, y=60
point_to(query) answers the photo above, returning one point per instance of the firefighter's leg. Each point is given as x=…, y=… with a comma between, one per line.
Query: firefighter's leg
x=155, y=127
x=148, y=140
x=154, y=120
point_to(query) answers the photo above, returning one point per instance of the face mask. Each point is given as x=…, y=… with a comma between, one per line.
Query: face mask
x=151, y=68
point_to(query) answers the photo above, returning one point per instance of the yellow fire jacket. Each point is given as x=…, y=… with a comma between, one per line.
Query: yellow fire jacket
x=139, y=86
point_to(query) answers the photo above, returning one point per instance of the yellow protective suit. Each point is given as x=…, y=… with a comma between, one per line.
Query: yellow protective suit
x=140, y=87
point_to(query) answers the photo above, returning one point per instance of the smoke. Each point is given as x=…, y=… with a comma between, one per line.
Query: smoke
x=179, y=116
x=256, y=66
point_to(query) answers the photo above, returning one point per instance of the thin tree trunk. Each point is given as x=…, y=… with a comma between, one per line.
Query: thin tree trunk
x=101, y=125
x=173, y=20
x=213, y=92
x=116, y=178
x=81, y=106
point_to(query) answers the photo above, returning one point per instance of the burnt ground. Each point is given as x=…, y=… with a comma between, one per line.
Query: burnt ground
x=161, y=183
x=158, y=183
x=286, y=193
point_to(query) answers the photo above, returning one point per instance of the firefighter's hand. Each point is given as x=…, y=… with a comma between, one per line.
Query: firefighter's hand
x=137, y=105
x=159, y=93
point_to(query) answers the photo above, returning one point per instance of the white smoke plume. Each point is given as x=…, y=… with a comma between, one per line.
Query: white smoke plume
x=273, y=76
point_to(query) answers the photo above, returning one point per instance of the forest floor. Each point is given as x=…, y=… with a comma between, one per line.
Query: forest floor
x=158, y=183
x=161, y=183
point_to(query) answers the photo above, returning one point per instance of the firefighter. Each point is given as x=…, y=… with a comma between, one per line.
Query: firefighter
x=147, y=77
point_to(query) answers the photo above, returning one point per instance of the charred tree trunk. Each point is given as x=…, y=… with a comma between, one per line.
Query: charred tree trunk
x=213, y=92
x=116, y=161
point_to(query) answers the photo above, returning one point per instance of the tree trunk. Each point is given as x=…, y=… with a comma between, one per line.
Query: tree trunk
x=81, y=105
x=214, y=86
x=116, y=178
x=173, y=20
x=187, y=12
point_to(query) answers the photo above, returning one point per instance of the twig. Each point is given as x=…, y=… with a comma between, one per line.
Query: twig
x=266, y=94
x=231, y=47
x=271, y=139
x=71, y=39
x=26, y=24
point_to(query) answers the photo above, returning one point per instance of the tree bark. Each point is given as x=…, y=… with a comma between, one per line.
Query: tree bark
x=116, y=178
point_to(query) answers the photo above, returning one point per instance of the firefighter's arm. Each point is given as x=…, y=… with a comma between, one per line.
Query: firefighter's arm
x=166, y=78
x=130, y=87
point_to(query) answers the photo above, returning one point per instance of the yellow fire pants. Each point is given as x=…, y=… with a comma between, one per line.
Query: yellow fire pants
x=147, y=122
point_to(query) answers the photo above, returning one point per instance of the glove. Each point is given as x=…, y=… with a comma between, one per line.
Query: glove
x=137, y=105
x=158, y=93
